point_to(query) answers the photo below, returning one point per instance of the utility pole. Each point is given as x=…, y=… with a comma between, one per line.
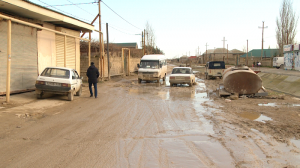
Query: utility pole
x=144, y=42
x=262, y=41
x=227, y=54
x=100, y=45
x=206, y=54
x=247, y=53
x=108, y=68
x=223, y=45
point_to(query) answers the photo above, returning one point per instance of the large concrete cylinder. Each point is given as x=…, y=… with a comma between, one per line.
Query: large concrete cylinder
x=241, y=80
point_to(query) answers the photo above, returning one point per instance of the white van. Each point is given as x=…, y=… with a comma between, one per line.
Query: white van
x=152, y=68
x=278, y=62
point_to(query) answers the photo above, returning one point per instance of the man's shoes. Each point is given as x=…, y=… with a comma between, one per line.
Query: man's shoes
x=95, y=97
x=91, y=95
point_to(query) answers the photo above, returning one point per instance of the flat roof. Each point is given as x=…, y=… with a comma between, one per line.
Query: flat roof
x=27, y=9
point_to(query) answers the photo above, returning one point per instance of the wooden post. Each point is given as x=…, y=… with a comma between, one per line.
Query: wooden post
x=108, y=68
x=123, y=62
x=8, y=60
x=65, y=51
x=100, y=46
x=128, y=64
x=89, y=49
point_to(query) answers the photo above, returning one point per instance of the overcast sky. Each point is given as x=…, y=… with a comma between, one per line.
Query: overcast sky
x=183, y=26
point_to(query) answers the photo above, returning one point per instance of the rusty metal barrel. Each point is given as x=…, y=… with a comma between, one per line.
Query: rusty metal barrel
x=241, y=80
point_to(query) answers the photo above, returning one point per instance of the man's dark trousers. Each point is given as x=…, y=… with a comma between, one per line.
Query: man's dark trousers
x=91, y=89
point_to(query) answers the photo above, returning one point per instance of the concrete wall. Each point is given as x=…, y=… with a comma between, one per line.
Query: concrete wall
x=281, y=83
x=46, y=48
x=115, y=62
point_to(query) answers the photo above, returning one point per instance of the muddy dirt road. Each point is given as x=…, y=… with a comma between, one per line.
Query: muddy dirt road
x=146, y=125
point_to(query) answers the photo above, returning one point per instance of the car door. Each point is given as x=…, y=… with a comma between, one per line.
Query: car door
x=79, y=81
x=73, y=81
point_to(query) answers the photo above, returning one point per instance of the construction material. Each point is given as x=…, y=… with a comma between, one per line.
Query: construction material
x=241, y=80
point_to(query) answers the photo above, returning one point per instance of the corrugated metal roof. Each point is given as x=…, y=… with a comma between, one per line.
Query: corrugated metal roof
x=266, y=53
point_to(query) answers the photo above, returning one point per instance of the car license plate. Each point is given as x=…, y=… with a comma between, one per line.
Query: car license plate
x=53, y=84
x=179, y=77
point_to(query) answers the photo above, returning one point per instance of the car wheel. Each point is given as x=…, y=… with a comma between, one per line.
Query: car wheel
x=277, y=67
x=39, y=96
x=139, y=80
x=70, y=95
x=79, y=91
x=220, y=77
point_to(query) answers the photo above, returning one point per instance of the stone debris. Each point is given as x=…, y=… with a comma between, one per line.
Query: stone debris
x=227, y=100
x=234, y=97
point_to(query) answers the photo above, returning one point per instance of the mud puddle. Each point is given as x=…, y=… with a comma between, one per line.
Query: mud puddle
x=278, y=105
x=255, y=116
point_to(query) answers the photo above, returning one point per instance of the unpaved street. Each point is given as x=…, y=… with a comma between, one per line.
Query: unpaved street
x=146, y=125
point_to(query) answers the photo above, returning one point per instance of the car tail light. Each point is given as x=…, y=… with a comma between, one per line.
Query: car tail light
x=40, y=82
x=187, y=77
x=65, y=85
x=172, y=77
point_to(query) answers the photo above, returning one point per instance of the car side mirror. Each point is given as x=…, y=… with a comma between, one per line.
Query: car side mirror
x=138, y=65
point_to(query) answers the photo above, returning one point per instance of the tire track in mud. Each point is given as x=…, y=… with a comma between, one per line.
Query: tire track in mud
x=200, y=155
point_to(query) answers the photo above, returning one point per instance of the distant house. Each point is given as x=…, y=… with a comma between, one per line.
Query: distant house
x=127, y=45
x=256, y=53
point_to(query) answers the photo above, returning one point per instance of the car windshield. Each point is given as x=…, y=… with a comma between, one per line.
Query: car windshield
x=56, y=73
x=181, y=71
x=216, y=65
x=149, y=64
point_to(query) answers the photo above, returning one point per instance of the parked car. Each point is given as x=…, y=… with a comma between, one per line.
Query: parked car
x=214, y=69
x=278, y=62
x=182, y=75
x=58, y=80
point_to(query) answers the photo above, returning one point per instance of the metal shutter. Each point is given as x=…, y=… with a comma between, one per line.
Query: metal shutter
x=3, y=55
x=24, y=57
x=71, y=54
x=59, y=42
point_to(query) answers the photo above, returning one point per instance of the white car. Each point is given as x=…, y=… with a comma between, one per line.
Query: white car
x=58, y=80
x=182, y=75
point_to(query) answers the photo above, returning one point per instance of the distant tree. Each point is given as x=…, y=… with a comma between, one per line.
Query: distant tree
x=150, y=38
x=286, y=25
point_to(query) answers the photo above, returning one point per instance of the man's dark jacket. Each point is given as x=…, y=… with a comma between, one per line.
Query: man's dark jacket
x=92, y=73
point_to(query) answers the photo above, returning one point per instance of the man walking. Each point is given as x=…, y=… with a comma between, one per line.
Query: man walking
x=92, y=73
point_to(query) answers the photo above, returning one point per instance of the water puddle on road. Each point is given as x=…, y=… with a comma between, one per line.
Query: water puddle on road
x=278, y=105
x=268, y=104
x=255, y=116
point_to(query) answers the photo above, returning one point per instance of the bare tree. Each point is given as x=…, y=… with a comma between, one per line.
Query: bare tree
x=286, y=25
x=150, y=38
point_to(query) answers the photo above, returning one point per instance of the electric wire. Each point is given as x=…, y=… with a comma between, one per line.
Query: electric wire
x=64, y=11
x=80, y=8
x=87, y=3
x=119, y=15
